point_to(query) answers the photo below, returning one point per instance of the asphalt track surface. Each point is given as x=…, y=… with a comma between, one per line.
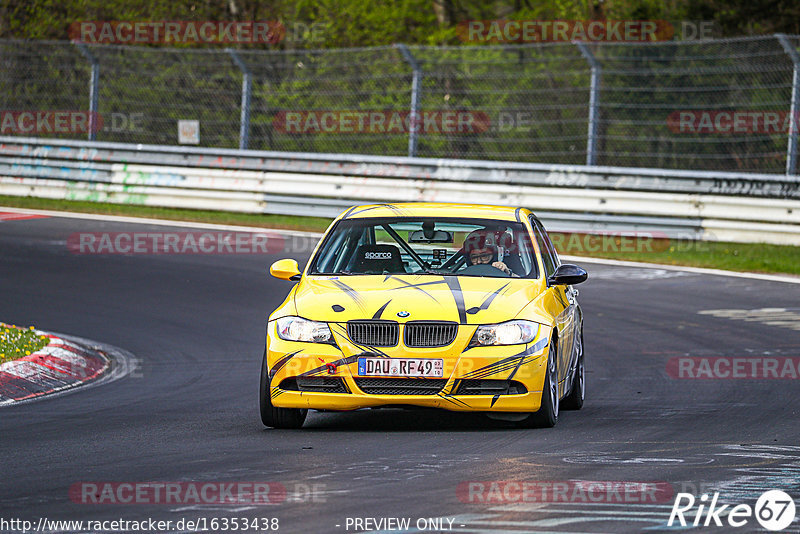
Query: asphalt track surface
x=196, y=325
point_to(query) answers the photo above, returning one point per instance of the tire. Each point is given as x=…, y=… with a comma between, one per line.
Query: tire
x=272, y=416
x=547, y=416
x=574, y=401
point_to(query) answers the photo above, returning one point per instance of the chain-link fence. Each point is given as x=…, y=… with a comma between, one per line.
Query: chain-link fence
x=713, y=105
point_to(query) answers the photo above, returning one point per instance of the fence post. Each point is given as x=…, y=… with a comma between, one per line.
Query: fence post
x=244, y=122
x=416, y=80
x=94, y=86
x=594, y=103
x=791, y=149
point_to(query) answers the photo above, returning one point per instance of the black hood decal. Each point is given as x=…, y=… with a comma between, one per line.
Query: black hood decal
x=458, y=296
x=409, y=285
x=378, y=313
x=352, y=293
x=487, y=302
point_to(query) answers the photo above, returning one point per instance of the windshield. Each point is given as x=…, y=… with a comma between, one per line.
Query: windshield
x=463, y=247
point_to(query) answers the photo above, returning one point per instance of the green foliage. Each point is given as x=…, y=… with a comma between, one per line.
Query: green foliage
x=16, y=342
x=745, y=257
x=354, y=23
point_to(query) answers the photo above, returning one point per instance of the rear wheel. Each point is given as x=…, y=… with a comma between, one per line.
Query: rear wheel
x=272, y=416
x=547, y=416
x=574, y=401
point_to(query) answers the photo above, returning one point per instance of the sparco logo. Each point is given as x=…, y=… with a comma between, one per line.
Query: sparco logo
x=378, y=256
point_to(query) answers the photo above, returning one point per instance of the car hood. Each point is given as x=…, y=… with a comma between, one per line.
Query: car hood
x=467, y=300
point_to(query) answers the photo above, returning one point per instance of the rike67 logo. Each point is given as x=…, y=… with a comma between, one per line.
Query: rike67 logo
x=774, y=510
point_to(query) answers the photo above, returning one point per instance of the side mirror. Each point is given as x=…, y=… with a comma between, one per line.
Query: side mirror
x=567, y=275
x=285, y=270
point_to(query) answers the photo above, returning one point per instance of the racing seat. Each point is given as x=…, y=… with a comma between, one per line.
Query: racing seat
x=375, y=259
x=511, y=255
x=513, y=262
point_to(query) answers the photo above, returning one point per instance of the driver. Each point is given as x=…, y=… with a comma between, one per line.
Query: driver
x=480, y=247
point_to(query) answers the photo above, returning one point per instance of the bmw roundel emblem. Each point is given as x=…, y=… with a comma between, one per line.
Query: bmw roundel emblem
x=403, y=314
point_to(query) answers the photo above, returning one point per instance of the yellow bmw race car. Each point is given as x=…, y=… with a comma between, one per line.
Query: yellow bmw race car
x=450, y=306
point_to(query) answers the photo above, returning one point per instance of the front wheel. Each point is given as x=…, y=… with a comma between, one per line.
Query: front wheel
x=547, y=416
x=574, y=401
x=272, y=416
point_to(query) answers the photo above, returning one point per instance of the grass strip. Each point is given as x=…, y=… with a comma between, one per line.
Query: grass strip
x=744, y=257
x=16, y=342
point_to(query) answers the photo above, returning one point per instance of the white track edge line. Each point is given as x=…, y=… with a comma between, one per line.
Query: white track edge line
x=159, y=222
x=697, y=270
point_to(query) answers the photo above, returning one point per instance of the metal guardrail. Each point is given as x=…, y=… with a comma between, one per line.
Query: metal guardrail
x=694, y=205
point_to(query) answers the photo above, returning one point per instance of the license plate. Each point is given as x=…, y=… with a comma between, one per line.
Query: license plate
x=401, y=367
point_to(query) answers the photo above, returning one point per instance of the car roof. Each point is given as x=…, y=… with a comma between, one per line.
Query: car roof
x=436, y=209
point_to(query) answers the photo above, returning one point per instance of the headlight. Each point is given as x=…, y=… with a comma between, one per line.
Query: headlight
x=299, y=329
x=508, y=333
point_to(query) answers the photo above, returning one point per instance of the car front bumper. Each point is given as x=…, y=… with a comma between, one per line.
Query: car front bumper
x=521, y=365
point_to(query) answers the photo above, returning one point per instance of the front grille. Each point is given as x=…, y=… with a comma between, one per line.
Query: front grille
x=429, y=334
x=324, y=384
x=401, y=386
x=490, y=387
x=373, y=333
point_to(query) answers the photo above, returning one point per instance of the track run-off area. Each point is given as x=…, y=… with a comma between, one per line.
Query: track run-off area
x=693, y=387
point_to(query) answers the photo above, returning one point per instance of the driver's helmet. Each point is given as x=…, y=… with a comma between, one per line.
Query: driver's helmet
x=481, y=240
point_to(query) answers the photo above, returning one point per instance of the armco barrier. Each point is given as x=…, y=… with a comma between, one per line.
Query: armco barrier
x=697, y=205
